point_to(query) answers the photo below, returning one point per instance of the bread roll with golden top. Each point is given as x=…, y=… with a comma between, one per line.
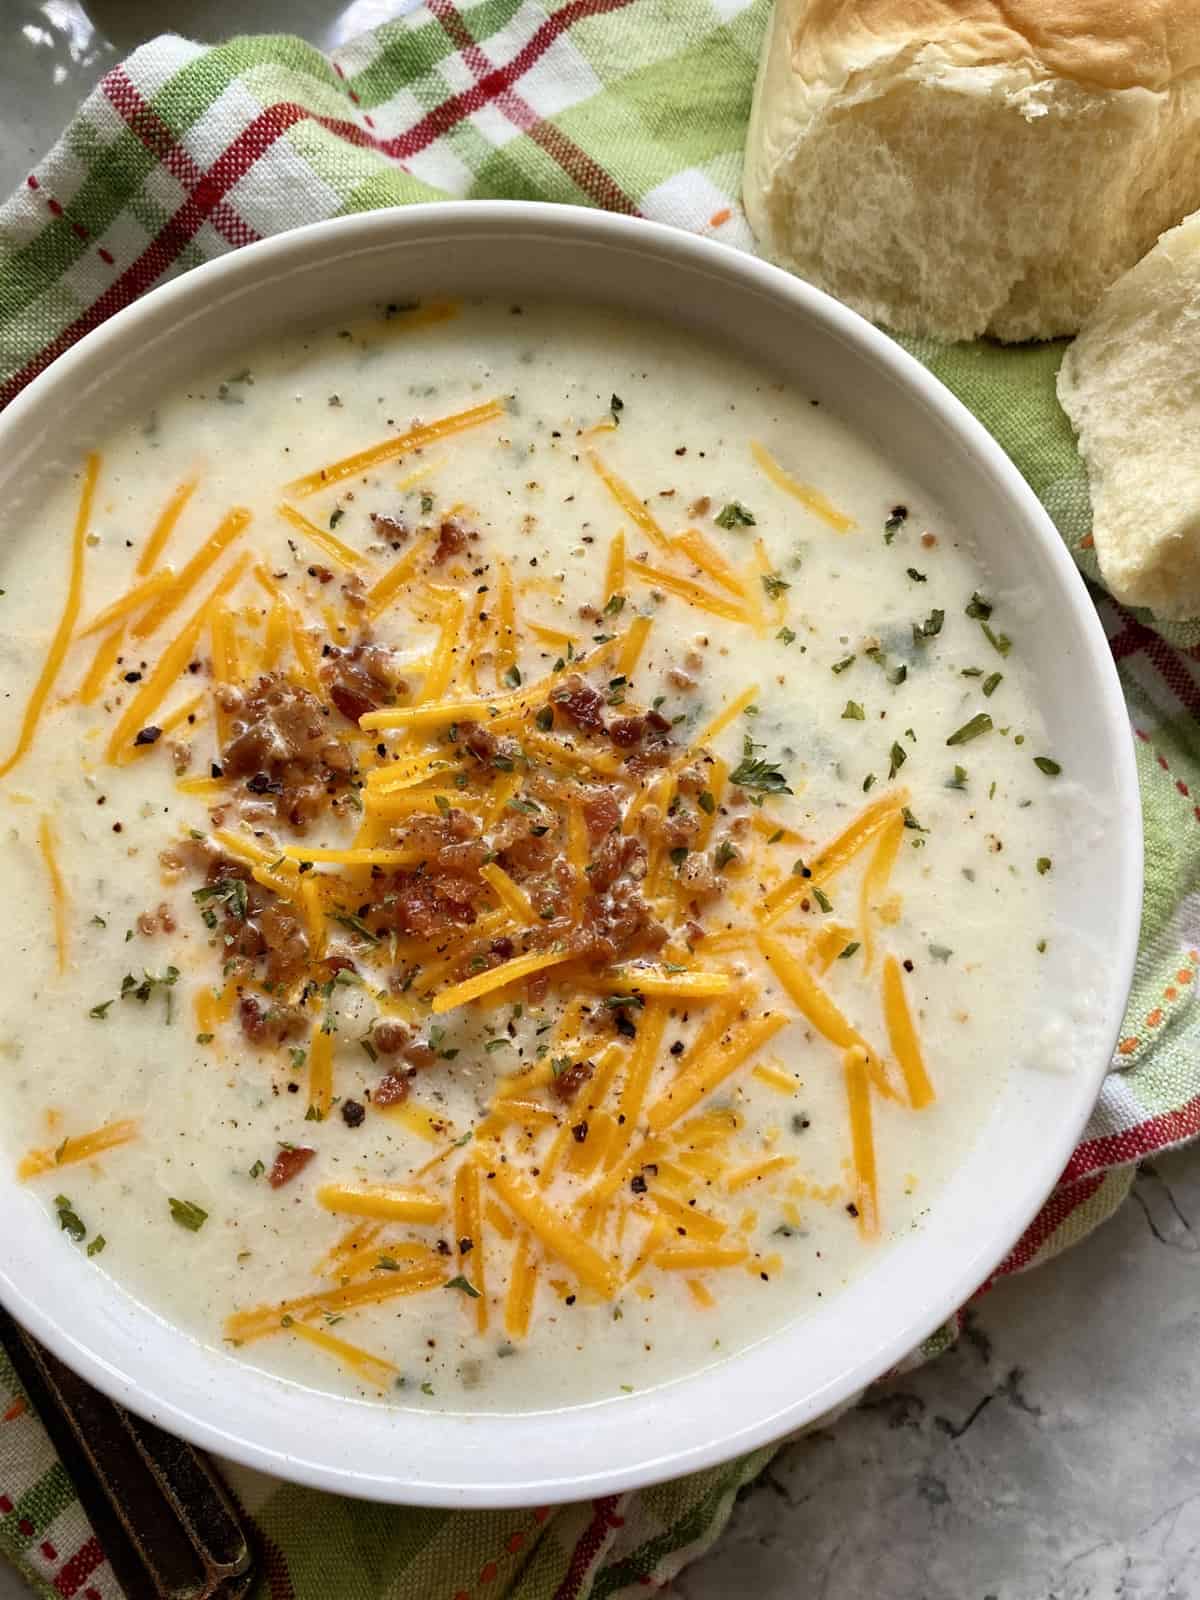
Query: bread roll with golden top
x=988, y=167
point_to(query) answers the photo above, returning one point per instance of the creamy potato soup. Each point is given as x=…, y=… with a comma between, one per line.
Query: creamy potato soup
x=528, y=850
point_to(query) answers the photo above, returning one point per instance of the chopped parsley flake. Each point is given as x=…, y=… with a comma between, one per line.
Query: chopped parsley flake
x=1047, y=765
x=461, y=1284
x=1000, y=642
x=930, y=628
x=846, y=661
x=347, y=919
x=734, y=515
x=786, y=635
x=752, y=772
x=851, y=949
x=853, y=712
x=991, y=683
x=230, y=892
x=959, y=780
x=899, y=756
x=1043, y=865
x=68, y=1220
x=895, y=521
x=979, y=608
x=822, y=899
x=917, y=577
x=774, y=585
x=187, y=1214
x=979, y=723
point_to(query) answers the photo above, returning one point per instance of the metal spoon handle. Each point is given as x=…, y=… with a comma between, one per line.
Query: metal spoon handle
x=166, y=1522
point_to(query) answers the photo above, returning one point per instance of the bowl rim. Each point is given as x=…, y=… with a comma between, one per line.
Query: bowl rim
x=729, y=1436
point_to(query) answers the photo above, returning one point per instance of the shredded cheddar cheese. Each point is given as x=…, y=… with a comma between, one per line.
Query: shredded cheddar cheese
x=327, y=543
x=903, y=1036
x=361, y=1362
x=80, y=1147
x=132, y=600
x=60, y=644
x=380, y=1201
x=230, y=528
x=809, y=497
x=403, y=444
x=48, y=845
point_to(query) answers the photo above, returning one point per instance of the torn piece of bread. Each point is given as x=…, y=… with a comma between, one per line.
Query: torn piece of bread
x=969, y=167
x=1130, y=384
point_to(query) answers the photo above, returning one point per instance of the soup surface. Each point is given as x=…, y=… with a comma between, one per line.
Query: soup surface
x=529, y=849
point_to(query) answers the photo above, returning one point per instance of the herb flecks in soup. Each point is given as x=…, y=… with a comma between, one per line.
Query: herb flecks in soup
x=529, y=895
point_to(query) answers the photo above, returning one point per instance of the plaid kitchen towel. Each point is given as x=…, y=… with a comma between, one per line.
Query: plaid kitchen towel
x=184, y=152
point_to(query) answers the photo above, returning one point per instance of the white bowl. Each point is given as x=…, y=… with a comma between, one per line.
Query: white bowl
x=785, y=1381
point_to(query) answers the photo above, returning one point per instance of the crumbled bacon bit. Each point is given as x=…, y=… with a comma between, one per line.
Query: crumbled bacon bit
x=393, y=1038
x=701, y=507
x=272, y=1024
x=581, y=703
x=361, y=679
x=601, y=812
x=615, y=854
x=691, y=780
x=484, y=746
x=280, y=732
x=389, y=1038
x=391, y=1090
x=390, y=528
x=567, y=1084
x=700, y=881
x=625, y=732
x=617, y=925
x=452, y=538
x=150, y=922
x=291, y=1160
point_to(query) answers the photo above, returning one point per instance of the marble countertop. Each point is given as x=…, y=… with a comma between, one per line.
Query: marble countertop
x=1055, y=1453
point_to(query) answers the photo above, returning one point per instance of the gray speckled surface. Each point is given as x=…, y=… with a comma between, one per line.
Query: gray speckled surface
x=1055, y=1454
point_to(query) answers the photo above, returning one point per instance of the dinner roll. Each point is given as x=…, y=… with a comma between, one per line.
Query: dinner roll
x=1130, y=383
x=968, y=167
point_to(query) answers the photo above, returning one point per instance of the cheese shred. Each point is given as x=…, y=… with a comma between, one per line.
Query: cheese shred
x=59, y=645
